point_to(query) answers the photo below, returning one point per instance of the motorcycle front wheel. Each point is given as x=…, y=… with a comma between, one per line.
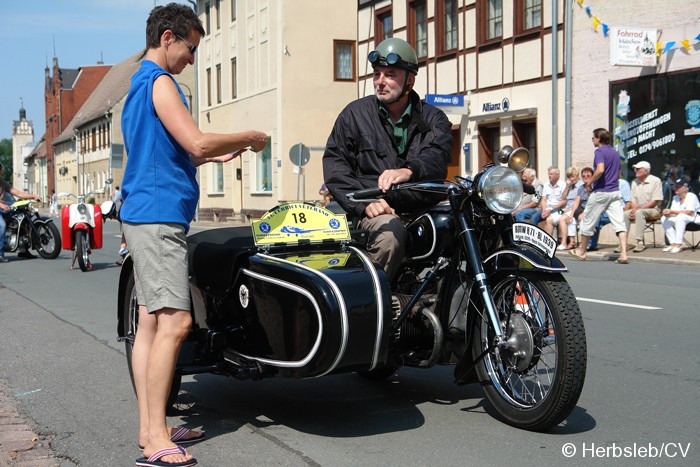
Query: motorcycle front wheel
x=534, y=381
x=131, y=324
x=48, y=241
x=82, y=249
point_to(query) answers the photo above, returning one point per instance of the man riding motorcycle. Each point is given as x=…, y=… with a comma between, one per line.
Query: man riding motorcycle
x=6, y=193
x=382, y=140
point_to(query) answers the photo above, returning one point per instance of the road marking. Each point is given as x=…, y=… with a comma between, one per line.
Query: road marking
x=628, y=305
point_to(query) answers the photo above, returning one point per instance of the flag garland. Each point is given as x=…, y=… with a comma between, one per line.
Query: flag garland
x=661, y=47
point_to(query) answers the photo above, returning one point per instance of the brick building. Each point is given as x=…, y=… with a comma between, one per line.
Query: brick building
x=65, y=91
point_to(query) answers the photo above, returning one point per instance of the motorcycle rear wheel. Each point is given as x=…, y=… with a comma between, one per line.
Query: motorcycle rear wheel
x=131, y=323
x=48, y=243
x=82, y=249
x=535, y=381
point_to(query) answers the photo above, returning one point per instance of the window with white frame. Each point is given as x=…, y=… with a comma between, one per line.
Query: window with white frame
x=217, y=178
x=263, y=168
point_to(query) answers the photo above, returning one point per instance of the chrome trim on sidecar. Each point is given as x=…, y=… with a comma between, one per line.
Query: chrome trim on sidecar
x=317, y=344
x=344, y=325
x=380, y=304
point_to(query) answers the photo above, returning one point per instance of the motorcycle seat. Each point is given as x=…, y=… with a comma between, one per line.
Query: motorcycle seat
x=214, y=256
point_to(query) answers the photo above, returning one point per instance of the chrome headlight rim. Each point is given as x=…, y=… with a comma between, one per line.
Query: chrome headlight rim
x=501, y=189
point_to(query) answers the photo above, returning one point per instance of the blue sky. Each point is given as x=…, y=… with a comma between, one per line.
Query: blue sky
x=82, y=32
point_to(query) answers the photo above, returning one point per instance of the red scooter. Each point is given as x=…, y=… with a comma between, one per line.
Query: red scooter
x=81, y=227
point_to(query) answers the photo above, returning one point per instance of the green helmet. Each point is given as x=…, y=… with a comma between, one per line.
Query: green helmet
x=395, y=52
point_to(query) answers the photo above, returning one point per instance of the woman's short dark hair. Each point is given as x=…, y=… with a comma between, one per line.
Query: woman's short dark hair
x=178, y=18
x=602, y=134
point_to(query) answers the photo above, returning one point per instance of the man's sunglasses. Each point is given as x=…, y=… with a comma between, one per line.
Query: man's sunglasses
x=193, y=48
x=392, y=59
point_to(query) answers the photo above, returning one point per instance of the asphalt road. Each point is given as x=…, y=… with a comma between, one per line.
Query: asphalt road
x=66, y=371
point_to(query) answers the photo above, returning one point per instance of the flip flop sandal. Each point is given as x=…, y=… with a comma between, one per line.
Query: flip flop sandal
x=181, y=433
x=622, y=261
x=155, y=459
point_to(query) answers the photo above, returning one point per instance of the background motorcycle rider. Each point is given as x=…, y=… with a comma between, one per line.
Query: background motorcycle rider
x=383, y=140
x=6, y=193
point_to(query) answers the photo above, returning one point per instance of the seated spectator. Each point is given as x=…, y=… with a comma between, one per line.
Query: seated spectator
x=552, y=197
x=684, y=210
x=625, y=199
x=570, y=192
x=530, y=203
x=647, y=195
x=572, y=217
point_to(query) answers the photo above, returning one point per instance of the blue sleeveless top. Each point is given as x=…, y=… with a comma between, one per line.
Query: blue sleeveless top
x=160, y=184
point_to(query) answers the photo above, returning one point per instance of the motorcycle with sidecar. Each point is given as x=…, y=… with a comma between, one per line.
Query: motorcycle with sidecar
x=297, y=296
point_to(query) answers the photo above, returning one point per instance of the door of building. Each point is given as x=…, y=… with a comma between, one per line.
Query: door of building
x=489, y=143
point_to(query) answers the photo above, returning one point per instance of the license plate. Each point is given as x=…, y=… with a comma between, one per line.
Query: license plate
x=532, y=235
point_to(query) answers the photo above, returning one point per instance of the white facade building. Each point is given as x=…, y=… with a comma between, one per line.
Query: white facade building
x=22, y=137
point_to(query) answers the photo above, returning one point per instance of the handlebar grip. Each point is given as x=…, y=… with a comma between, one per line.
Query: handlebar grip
x=367, y=193
x=529, y=189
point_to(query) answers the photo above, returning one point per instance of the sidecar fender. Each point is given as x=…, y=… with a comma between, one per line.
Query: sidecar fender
x=522, y=257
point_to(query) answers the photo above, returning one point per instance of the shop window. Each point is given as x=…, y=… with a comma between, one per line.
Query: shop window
x=525, y=135
x=489, y=143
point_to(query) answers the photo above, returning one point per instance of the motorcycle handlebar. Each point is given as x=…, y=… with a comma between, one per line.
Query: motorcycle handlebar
x=368, y=194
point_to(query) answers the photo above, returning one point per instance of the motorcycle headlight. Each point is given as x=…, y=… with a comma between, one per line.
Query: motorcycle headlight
x=501, y=189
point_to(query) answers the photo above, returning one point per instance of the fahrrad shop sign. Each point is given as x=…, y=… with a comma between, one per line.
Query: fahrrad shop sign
x=657, y=119
x=633, y=47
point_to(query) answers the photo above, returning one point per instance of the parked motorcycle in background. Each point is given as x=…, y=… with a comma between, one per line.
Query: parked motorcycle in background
x=81, y=225
x=26, y=230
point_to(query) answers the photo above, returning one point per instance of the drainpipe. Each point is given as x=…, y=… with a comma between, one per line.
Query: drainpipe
x=568, y=26
x=555, y=69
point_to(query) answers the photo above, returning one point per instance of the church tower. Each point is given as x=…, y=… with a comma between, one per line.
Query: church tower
x=22, y=142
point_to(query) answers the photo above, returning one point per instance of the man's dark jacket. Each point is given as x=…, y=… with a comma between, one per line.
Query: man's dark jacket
x=361, y=147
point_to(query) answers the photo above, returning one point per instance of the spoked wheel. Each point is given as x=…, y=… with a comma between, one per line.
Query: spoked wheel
x=536, y=378
x=82, y=249
x=48, y=241
x=131, y=323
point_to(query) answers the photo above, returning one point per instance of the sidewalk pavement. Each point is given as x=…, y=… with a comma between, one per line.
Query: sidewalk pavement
x=20, y=446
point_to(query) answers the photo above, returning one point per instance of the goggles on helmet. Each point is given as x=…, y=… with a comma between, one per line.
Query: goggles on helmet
x=392, y=59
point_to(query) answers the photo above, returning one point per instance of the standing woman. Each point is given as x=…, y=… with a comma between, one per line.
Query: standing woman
x=160, y=195
x=684, y=210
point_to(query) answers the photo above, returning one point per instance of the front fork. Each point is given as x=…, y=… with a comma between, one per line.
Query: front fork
x=476, y=268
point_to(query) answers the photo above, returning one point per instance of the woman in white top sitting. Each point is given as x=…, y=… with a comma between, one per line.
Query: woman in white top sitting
x=684, y=210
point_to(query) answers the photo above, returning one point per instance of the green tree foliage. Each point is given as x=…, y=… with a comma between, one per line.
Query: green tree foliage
x=6, y=158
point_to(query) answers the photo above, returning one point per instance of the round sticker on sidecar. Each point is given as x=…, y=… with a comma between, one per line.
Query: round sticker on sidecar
x=294, y=222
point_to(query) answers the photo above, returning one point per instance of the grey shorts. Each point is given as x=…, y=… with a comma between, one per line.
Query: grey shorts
x=159, y=252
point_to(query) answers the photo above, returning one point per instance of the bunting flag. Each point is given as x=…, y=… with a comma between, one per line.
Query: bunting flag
x=669, y=46
x=661, y=47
